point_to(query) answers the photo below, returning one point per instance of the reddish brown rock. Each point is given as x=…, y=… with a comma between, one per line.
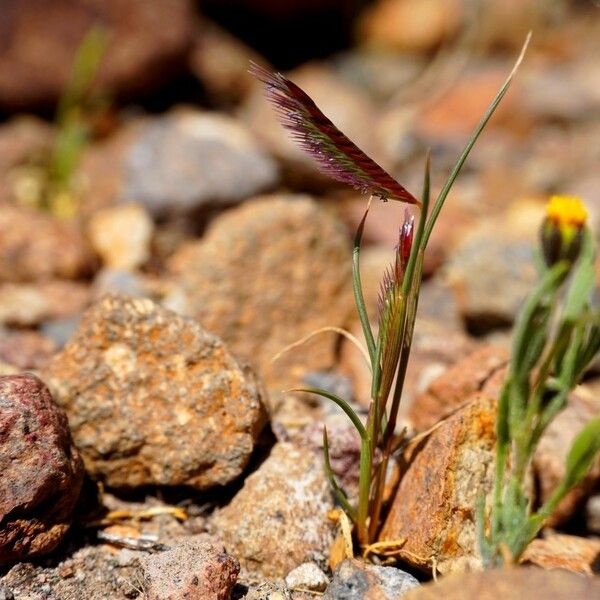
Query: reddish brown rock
x=25, y=349
x=34, y=245
x=481, y=370
x=549, y=459
x=569, y=552
x=40, y=470
x=152, y=398
x=434, y=506
x=147, y=43
x=265, y=275
x=196, y=569
x=278, y=520
x=509, y=584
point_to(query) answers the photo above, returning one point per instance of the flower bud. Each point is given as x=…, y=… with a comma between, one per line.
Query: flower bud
x=562, y=230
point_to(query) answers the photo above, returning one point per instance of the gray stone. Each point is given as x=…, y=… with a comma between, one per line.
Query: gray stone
x=188, y=159
x=356, y=580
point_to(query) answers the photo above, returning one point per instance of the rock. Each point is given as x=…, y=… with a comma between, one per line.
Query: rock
x=5, y=593
x=35, y=245
x=40, y=470
x=491, y=271
x=405, y=25
x=569, y=552
x=23, y=140
x=268, y=590
x=278, y=520
x=152, y=398
x=28, y=304
x=146, y=45
x=348, y=107
x=92, y=571
x=265, y=275
x=435, y=348
x=592, y=514
x=121, y=235
x=549, y=459
x=187, y=159
x=434, y=506
x=504, y=584
x=357, y=580
x=220, y=61
x=307, y=577
x=197, y=569
x=25, y=349
x=484, y=369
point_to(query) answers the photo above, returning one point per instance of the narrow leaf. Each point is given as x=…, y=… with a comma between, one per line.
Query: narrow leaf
x=583, y=451
x=341, y=403
x=358, y=294
x=337, y=155
x=465, y=153
x=337, y=490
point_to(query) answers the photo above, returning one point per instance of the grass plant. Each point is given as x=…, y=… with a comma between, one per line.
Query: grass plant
x=388, y=350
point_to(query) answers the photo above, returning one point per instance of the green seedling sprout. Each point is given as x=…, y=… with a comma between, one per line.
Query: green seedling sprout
x=556, y=337
x=388, y=351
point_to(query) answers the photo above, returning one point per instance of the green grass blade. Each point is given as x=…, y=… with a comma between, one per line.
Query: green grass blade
x=341, y=403
x=417, y=241
x=358, y=293
x=337, y=490
x=475, y=135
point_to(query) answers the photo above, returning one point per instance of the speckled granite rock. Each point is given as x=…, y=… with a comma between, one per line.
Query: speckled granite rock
x=263, y=276
x=196, y=569
x=40, y=470
x=152, y=398
x=278, y=520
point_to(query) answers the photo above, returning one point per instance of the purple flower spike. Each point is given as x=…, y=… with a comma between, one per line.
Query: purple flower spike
x=338, y=156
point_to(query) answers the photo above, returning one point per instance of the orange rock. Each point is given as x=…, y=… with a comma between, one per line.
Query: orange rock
x=569, y=552
x=434, y=506
x=452, y=389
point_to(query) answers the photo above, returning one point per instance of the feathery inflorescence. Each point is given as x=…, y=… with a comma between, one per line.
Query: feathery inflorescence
x=337, y=155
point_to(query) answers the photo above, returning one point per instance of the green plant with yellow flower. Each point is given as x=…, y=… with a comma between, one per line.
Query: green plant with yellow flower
x=556, y=337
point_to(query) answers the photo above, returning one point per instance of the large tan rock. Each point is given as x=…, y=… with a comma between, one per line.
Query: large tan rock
x=278, y=520
x=265, y=275
x=434, y=506
x=509, y=584
x=152, y=398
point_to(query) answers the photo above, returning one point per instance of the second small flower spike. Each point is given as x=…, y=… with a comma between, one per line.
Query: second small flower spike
x=562, y=230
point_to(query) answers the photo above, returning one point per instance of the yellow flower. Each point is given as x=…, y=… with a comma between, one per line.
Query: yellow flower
x=562, y=229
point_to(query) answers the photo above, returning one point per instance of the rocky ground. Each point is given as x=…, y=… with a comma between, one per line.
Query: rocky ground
x=149, y=447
